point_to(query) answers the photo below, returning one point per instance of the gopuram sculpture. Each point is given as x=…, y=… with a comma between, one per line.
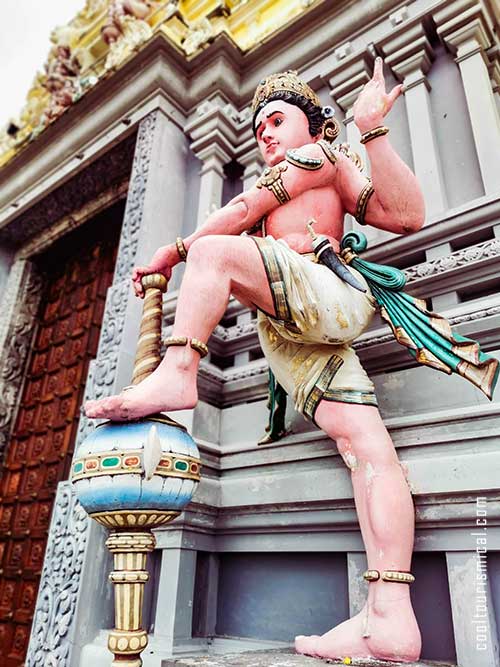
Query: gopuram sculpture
x=278, y=247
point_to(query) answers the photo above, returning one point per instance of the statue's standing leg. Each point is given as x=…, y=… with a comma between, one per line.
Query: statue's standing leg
x=386, y=627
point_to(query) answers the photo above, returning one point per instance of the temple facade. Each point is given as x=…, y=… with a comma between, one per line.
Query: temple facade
x=139, y=126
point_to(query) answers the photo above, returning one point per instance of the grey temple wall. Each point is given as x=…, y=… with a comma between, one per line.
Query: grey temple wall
x=270, y=546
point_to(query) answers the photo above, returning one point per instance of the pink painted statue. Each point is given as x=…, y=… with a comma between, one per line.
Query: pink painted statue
x=258, y=249
x=308, y=316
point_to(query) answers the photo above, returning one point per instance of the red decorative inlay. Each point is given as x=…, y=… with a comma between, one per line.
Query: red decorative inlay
x=91, y=465
x=131, y=461
x=165, y=463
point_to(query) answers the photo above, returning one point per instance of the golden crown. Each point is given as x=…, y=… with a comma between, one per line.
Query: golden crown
x=282, y=81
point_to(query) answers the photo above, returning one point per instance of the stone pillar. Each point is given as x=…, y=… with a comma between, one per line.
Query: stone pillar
x=252, y=162
x=357, y=586
x=174, y=608
x=213, y=131
x=409, y=54
x=153, y=216
x=494, y=57
x=474, y=626
x=468, y=33
x=346, y=76
x=346, y=79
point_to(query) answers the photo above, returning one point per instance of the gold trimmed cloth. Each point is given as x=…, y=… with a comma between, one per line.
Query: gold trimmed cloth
x=318, y=315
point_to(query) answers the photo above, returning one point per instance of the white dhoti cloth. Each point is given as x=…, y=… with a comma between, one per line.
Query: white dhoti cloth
x=318, y=316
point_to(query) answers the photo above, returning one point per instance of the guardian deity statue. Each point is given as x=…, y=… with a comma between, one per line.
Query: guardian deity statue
x=314, y=296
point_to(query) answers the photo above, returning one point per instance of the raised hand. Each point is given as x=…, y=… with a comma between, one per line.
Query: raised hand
x=373, y=102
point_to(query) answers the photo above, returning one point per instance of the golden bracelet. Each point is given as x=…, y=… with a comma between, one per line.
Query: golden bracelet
x=395, y=576
x=373, y=134
x=181, y=249
x=362, y=203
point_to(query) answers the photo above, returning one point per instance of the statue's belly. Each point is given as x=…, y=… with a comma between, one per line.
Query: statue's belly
x=289, y=221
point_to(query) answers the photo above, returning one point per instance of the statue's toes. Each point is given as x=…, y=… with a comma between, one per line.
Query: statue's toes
x=90, y=409
x=306, y=645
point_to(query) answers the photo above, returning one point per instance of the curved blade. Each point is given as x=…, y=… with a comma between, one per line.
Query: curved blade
x=330, y=259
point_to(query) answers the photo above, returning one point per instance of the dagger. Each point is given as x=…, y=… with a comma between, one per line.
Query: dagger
x=326, y=255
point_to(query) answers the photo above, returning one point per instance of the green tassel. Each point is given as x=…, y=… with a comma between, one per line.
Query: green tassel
x=421, y=331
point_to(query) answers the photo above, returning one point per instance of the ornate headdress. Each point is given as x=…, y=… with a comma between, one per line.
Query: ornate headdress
x=283, y=81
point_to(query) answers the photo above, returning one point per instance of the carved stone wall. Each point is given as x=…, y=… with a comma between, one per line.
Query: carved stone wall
x=56, y=604
x=102, y=372
x=19, y=309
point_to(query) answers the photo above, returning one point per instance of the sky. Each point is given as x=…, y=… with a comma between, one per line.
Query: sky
x=25, y=29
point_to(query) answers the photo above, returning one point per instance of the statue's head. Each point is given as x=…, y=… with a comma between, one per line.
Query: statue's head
x=287, y=113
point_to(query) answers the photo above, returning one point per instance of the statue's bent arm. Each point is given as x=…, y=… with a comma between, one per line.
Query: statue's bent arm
x=397, y=204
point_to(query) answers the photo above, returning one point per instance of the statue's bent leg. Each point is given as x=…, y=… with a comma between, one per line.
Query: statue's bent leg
x=217, y=266
x=386, y=628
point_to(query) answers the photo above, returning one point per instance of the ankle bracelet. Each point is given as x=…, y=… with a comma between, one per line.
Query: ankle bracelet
x=196, y=344
x=395, y=576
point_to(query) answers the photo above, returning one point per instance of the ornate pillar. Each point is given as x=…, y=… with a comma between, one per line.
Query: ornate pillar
x=19, y=307
x=153, y=216
x=409, y=54
x=474, y=625
x=213, y=133
x=466, y=29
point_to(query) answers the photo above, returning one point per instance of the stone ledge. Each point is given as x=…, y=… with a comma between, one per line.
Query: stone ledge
x=284, y=658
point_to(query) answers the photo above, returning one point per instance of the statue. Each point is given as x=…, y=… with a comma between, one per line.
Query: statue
x=125, y=29
x=62, y=82
x=311, y=306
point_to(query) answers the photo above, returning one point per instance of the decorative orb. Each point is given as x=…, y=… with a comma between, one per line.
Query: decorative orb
x=123, y=469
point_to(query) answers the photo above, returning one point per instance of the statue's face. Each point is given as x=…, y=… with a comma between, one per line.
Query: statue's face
x=280, y=126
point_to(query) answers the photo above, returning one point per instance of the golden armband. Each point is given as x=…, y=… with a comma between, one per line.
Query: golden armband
x=272, y=181
x=362, y=203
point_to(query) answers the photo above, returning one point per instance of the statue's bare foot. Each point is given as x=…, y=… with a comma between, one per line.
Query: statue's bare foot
x=160, y=392
x=392, y=631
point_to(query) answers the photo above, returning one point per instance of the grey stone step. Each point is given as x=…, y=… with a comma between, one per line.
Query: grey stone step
x=284, y=658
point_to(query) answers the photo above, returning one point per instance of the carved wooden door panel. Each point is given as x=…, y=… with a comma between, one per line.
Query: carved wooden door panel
x=78, y=272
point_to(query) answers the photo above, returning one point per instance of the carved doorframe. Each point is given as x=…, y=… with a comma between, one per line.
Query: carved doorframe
x=100, y=185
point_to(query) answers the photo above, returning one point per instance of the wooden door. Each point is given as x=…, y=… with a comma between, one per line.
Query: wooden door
x=78, y=271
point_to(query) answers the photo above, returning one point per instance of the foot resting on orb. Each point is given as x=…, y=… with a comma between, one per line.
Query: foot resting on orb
x=172, y=386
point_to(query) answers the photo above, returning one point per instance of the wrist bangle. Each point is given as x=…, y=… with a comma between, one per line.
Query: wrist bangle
x=181, y=249
x=373, y=134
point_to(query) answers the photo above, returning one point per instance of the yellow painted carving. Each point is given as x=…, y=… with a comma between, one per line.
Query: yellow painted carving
x=189, y=24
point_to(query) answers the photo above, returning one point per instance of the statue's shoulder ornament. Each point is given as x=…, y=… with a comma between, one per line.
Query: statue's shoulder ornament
x=301, y=157
x=332, y=151
x=346, y=150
